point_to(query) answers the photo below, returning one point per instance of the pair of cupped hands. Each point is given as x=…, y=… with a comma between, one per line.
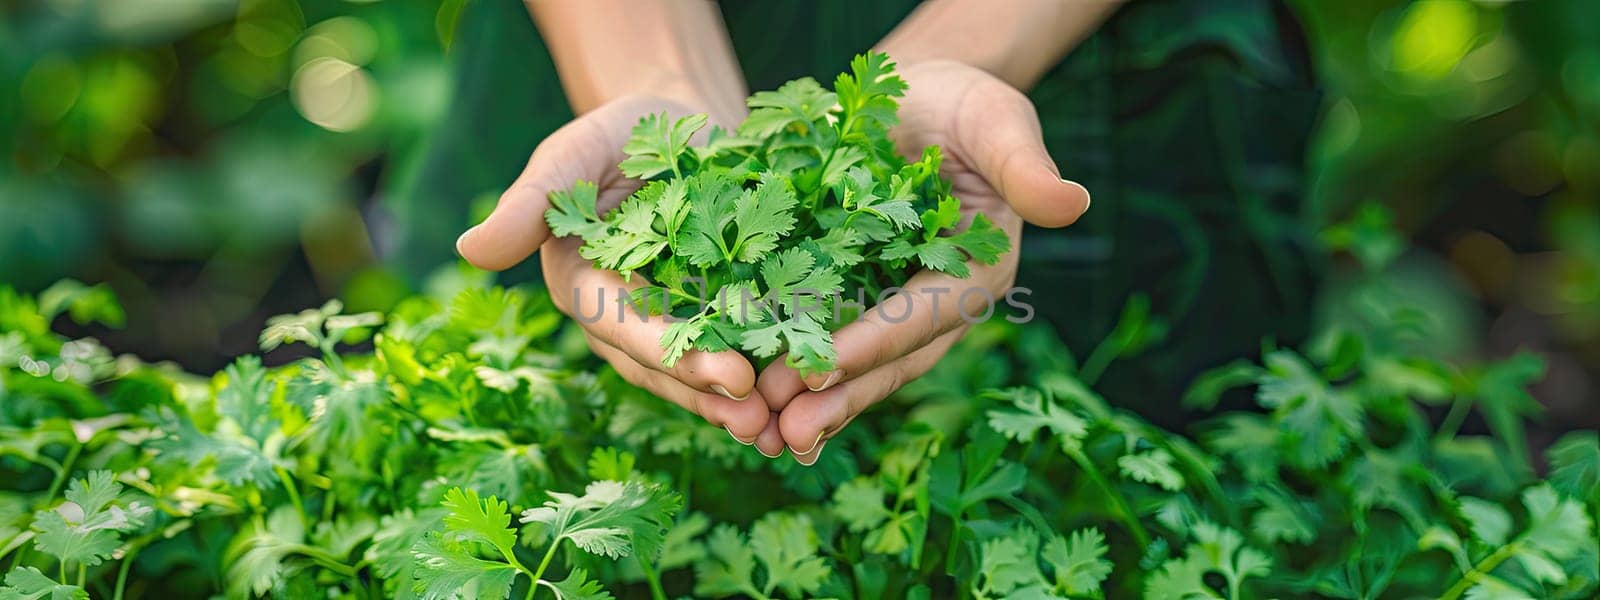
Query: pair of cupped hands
x=994, y=158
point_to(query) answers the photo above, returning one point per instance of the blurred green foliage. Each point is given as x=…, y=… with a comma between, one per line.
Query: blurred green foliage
x=1478, y=124
x=218, y=161
x=209, y=159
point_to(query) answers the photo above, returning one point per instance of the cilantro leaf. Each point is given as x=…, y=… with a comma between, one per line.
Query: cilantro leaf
x=1008, y=566
x=729, y=566
x=761, y=217
x=680, y=338
x=572, y=212
x=611, y=518
x=866, y=94
x=1216, y=550
x=1502, y=396
x=792, y=277
x=1282, y=518
x=447, y=568
x=796, y=104
x=1153, y=467
x=787, y=544
x=609, y=463
x=1078, y=562
x=87, y=528
x=27, y=583
x=1033, y=414
x=810, y=347
x=1575, y=465
x=390, y=551
x=633, y=240
x=657, y=142
x=578, y=586
x=246, y=398
x=1320, y=420
x=477, y=519
x=784, y=545
x=859, y=503
x=703, y=238
x=981, y=242
x=860, y=195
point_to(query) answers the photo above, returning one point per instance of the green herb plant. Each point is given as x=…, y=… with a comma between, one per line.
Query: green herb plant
x=768, y=238
x=465, y=445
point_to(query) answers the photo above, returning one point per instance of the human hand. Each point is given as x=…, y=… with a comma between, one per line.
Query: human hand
x=719, y=387
x=997, y=164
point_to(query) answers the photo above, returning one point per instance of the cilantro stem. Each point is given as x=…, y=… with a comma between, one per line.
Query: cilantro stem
x=1453, y=419
x=64, y=471
x=544, y=563
x=122, y=573
x=294, y=494
x=1481, y=570
x=323, y=558
x=83, y=574
x=650, y=577
x=1100, y=358
x=1119, y=503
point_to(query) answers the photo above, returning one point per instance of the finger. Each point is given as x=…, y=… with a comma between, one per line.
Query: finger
x=779, y=383
x=1000, y=133
x=770, y=442
x=813, y=417
x=581, y=150
x=929, y=305
x=745, y=421
x=591, y=296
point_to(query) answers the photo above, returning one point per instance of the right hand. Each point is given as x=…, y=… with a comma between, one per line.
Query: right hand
x=719, y=387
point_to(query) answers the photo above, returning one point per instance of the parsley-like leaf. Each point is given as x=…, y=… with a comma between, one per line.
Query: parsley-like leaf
x=87, y=528
x=1078, y=561
x=611, y=518
x=572, y=212
x=657, y=142
x=27, y=583
x=795, y=104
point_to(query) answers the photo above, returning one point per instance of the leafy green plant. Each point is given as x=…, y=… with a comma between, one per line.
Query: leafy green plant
x=757, y=239
x=468, y=446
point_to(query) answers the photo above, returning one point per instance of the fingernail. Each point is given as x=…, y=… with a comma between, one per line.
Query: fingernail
x=827, y=383
x=764, y=453
x=814, y=457
x=1088, y=198
x=463, y=238
x=736, y=438
x=717, y=387
x=813, y=445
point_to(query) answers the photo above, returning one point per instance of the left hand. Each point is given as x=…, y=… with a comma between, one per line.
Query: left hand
x=995, y=159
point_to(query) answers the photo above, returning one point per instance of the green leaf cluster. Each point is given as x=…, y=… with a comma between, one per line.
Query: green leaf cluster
x=768, y=238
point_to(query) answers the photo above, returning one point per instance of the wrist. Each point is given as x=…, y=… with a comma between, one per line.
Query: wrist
x=675, y=50
x=1016, y=41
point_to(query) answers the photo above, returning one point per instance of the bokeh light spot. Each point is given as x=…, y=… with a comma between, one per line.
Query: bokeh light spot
x=333, y=94
x=1434, y=36
x=349, y=39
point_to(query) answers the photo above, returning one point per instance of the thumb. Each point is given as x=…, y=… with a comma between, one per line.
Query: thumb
x=1007, y=149
x=517, y=226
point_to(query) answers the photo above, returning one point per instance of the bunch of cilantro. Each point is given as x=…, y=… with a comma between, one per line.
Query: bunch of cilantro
x=769, y=238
